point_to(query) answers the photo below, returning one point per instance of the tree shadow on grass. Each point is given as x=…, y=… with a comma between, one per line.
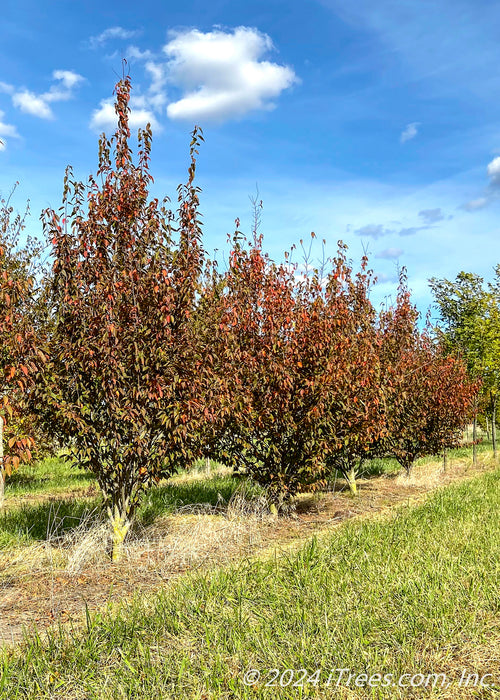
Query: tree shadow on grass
x=214, y=491
x=56, y=517
x=373, y=468
x=19, y=480
x=44, y=521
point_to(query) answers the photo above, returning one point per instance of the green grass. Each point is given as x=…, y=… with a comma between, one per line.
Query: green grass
x=30, y=522
x=389, y=465
x=43, y=521
x=403, y=595
x=214, y=490
x=48, y=476
x=53, y=475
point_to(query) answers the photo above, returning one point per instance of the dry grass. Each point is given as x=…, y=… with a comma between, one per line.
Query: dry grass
x=57, y=578
x=433, y=474
x=414, y=592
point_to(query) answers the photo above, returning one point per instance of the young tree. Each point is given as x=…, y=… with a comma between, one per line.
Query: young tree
x=428, y=394
x=350, y=417
x=267, y=391
x=489, y=327
x=297, y=352
x=470, y=314
x=17, y=331
x=122, y=365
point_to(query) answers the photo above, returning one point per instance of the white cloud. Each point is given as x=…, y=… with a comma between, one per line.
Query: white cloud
x=411, y=230
x=33, y=104
x=494, y=171
x=390, y=253
x=491, y=193
x=38, y=104
x=431, y=216
x=104, y=118
x=134, y=52
x=382, y=278
x=67, y=77
x=158, y=74
x=5, y=87
x=6, y=130
x=410, y=132
x=139, y=118
x=62, y=90
x=142, y=106
x=222, y=74
x=111, y=33
x=476, y=204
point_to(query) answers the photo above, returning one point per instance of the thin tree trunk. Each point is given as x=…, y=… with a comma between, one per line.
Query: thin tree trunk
x=408, y=465
x=120, y=526
x=2, y=468
x=445, y=459
x=119, y=518
x=351, y=481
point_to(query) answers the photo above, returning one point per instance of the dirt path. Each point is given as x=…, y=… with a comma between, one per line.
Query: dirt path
x=55, y=582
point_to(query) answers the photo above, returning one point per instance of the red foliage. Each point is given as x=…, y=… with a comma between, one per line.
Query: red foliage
x=351, y=420
x=428, y=395
x=17, y=334
x=298, y=355
x=122, y=366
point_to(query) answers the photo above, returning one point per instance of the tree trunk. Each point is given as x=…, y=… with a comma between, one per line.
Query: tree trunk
x=2, y=468
x=408, y=465
x=445, y=459
x=351, y=481
x=120, y=524
x=493, y=424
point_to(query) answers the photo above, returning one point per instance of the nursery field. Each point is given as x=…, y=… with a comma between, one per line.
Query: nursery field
x=216, y=597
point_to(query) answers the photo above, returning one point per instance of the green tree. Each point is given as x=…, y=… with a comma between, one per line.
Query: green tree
x=489, y=329
x=470, y=318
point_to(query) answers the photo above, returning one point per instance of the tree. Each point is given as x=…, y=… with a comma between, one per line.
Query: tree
x=121, y=366
x=267, y=389
x=350, y=416
x=489, y=328
x=428, y=394
x=470, y=314
x=297, y=352
x=17, y=332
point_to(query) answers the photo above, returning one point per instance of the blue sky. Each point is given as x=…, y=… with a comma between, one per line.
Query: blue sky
x=374, y=122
